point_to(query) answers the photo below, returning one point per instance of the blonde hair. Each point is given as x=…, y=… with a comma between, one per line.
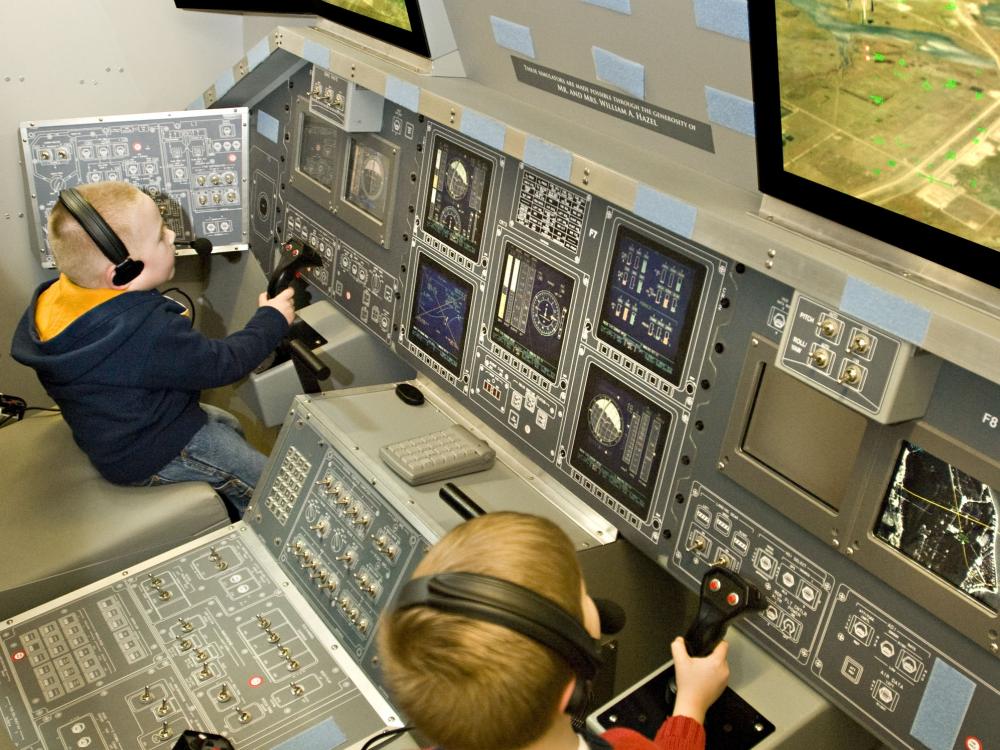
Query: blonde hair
x=472, y=685
x=75, y=253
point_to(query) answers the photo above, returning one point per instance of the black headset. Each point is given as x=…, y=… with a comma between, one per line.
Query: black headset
x=109, y=243
x=504, y=603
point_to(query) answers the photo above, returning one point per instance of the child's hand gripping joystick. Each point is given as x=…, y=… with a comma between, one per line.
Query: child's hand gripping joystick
x=725, y=595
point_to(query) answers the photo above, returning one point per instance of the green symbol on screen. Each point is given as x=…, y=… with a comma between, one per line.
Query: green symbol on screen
x=891, y=162
x=876, y=99
x=951, y=155
x=979, y=95
x=878, y=140
x=879, y=57
x=901, y=62
x=926, y=85
x=952, y=83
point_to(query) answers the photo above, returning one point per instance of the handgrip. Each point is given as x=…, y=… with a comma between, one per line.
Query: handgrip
x=305, y=355
x=725, y=595
x=301, y=256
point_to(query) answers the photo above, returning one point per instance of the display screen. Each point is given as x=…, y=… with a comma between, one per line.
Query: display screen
x=318, y=150
x=533, y=303
x=553, y=211
x=392, y=12
x=945, y=520
x=650, y=303
x=619, y=440
x=881, y=116
x=457, y=198
x=369, y=175
x=440, y=313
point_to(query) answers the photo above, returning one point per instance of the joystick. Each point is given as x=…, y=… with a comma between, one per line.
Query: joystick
x=301, y=256
x=725, y=595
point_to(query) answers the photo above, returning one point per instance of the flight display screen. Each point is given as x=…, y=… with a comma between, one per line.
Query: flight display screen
x=650, y=303
x=619, y=440
x=318, y=150
x=392, y=12
x=440, y=314
x=369, y=172
x=533, y=303
x=456, y=201
x=945, y=520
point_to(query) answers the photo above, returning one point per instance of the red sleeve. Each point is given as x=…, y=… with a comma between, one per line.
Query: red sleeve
x=676, y=733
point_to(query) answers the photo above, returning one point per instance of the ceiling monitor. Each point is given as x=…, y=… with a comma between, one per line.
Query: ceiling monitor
x=880, y=117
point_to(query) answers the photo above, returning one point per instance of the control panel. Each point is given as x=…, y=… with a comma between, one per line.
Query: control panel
x=209, y=637
x=193, y=164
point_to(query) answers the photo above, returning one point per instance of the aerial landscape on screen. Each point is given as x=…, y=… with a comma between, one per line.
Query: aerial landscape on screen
x=392, y=12
x=897, y=104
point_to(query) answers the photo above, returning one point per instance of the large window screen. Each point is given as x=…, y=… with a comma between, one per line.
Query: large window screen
x=650, y=303
x=944, y=520
x=881, y=116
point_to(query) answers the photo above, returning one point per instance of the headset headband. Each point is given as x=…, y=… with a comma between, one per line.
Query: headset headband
x=504, y=603
x=126, y=269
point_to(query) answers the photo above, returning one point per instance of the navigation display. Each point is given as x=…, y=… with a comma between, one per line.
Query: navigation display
x=318, y=150
x=456, y=201
x=619, y=440
x=440, y=314
x=944, y=520
x=369, y=172
x=650, y=303
x=881, y=115
x=533, y=303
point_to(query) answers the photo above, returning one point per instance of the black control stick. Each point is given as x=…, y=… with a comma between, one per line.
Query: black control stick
x=300, y=256
x=725, y=595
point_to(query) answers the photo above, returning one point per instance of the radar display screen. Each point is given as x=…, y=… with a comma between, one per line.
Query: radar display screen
x=944, y=520
x=619, y=440
x=440, y=314
x=369, y=172
x=318, y=150
x=650, y=303
x=456, y=201
x=532, y=306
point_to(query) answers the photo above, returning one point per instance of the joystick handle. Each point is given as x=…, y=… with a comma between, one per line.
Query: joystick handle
x=725, y=595
x=300, y=256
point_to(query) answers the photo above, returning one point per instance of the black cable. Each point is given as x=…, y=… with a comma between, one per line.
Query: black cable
x=190, y=304
x=384, y=737
x=43, y=408
x=6, y=420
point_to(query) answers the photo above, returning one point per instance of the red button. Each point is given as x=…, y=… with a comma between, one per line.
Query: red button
x=714, y=584
x=733, y=599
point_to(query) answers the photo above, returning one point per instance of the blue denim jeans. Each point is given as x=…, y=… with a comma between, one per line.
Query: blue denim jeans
x=217, y=454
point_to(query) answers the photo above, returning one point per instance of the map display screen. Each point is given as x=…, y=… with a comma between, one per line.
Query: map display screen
x=456, y=200
x=650, y=303
x=619, y=440
x=944, y=520
x=890, y=108
x=532, y=306
x=440, y=314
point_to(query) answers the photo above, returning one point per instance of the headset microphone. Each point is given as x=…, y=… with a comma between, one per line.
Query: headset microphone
x=200, y=245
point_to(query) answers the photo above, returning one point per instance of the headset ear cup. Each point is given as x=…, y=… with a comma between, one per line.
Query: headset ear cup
x=126, y=271
x=579, y=702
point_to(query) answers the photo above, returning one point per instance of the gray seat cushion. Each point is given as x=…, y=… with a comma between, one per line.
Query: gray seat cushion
x=65, y=526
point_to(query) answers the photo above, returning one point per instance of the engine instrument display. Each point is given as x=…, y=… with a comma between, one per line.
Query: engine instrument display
x=318, y=150
x=440, y=314
x=533, y=303
x=944, y=520
x=650, y=303
x=457, y=198
x=369, y=175
x=619, y=440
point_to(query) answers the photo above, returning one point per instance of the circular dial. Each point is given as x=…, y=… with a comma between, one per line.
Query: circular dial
x=546, y=313
x=605, y=420
x=372, y=175
x=457, y=180
x=452, y=220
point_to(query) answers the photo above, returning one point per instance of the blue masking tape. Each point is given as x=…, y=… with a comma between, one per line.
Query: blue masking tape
x=619, y=6
x=513, y=36
x=268, y=126
x=887, y=311
x=727, y=17
x=547, y=157
x=484, y=129
x=316, y=53
x=198, y=103
x=324, y=734
x=403, y=93
x=943, y=706
x=667, y=211
x=258, y=53
x=730, y=110
x=619, y=71
x=223, y=83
